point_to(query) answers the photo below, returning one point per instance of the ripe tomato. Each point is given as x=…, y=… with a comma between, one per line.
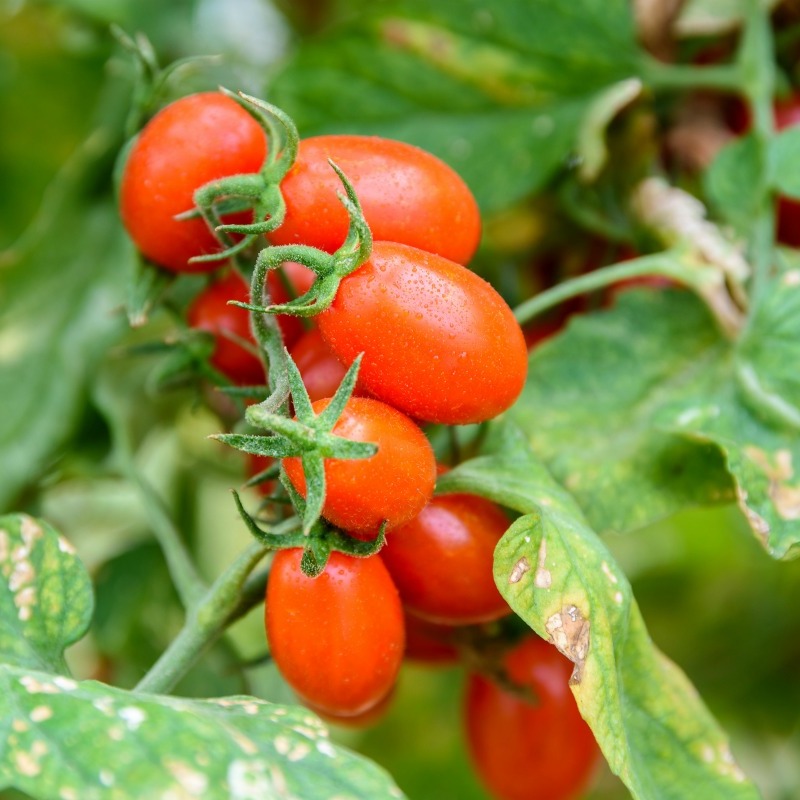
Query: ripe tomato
x=210, y=312
x=787, y=115
x=338, y=638
x=321, y=371
x=522, y=749
x=393, y=485
x=366, y=719
x=407, y=195
x=428, y=643
x=441, y=561
x=192, y=141
x=439, y=343
x=300, y=279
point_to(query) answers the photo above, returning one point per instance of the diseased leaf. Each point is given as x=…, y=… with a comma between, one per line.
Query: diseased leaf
x=555, y=572
x=70, y=740
x=46, y=599
x=497, y=91
x=589, y=404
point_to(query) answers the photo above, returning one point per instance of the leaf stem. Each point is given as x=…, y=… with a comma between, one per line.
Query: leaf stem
x=663, y=76
x=206, y=620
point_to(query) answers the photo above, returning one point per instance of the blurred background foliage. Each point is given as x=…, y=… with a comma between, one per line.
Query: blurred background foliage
x=713, y=601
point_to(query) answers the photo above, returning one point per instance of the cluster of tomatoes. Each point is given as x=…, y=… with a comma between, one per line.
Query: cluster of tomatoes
x=436, y=344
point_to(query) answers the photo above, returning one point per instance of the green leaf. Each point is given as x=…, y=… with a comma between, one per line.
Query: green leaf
x=62, y=288
x=730, y=180
x=555, y=572
x=498, y=91
x=72, y=740
x=46, y=599
x=590, y=403
x=784, y=157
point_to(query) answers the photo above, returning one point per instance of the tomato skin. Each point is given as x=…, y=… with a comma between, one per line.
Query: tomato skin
x=210, y=312
x=300, y=279
x=190, y=142
x=407, y=195
x=441, y=561
x=319, y=368
x=393, y=485
x=428, y=643
x=523, y=749
x=439, y=343
x=338, y=638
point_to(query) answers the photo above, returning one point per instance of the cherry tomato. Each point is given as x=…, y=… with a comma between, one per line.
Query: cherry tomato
x=441, y=561
x=256, y=465
x=366, y=719
x=439, y=343
x=210, y=312
x=300, y=279
x=393, y=485
x=321, y=371
x=192, y=141
x=787, y=115
x=524, y=749
x=338, y=638
x=429, y=643
x=407, y=195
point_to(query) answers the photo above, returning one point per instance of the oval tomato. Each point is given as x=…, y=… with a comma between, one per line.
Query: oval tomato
x=210, y=312
x=299, y=279
x=338, y=638
x=429, y=643
x=441, y=561
x=524, y=749
x=192, y=141
x=439, y=342
x=393, y=485
x=407, y=195
x=319, y=368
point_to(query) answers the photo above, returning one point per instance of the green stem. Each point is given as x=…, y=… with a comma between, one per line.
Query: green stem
x=656, y=264
x=222, y=604
x=662, y=76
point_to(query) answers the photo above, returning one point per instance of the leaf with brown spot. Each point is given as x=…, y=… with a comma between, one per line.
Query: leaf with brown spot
x=650, y=722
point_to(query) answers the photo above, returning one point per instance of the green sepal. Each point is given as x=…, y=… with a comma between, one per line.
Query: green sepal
x=270, y=446
x=335, y=408
x=288, y=534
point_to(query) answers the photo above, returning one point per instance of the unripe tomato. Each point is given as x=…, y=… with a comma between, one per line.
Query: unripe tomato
x=439, y=342
x=407, y=195
x=321, y=371
x=441, y=561
x=524, y=749
x=338, y=638
x=192, y=141
x=393, y=485
x=300, y=279
x=210, y=312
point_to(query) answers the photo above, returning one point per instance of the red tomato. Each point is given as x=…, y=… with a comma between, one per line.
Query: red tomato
x=393, y=485
x=441, y=561
x=338, y=638
x=429, y=643
x=321, y=371
x=210, y=312
x=256, y=465
x=787, y=115
x=524, y=749
x=407, y=195
x=300, y=279
x=365, y=719
x=439, y=343
x=192, y=141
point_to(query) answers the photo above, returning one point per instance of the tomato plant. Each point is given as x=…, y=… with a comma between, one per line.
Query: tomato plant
x=230, y=327
x=787, y=115
x=535, y=745
x=321, y=371
x=187, y=144
x=337, y=638
x=392, y=486
x=298, y=279
x=408, y=196
x=439, y=343
x=441, y=561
